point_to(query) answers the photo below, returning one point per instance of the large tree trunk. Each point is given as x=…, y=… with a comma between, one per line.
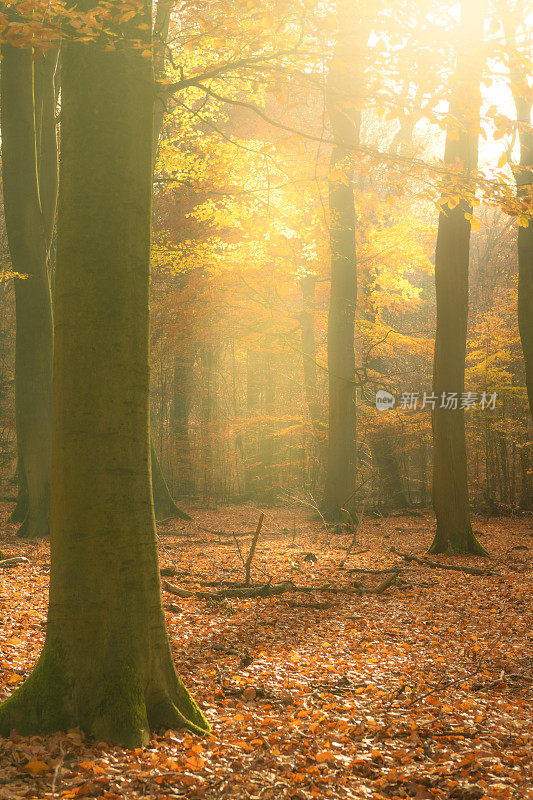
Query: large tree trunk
x=106, y=664
x=29, y=163
x=450, y=485
x=346, y=73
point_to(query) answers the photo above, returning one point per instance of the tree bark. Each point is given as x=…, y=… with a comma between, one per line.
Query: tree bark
x=346, y=125
x=20, y=511
x=29, y=164
x=450, y=484
x=307, y=324
x=164, y=504
x=386, y=455
x=524, y=184
x=106, y=664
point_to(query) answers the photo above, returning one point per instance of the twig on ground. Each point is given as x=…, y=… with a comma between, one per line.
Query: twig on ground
x=6, y=563
x=248, y=564
x=57, y=771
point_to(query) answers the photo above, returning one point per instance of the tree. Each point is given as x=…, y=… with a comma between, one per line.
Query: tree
x=164, y=505
x=523, y=174
x=346, y=127
x=450, y=487
x=29, y=165
x=106, y=664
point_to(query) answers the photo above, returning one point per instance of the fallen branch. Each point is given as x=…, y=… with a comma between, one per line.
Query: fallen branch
x=176, y=590
x=273, y=589
x=384, y=585
x=13, y=562
x=426, y=562
x=248, y=563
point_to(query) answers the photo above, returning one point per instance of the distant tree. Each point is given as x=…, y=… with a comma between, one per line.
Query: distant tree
x=450, y=487
x=523, y=172
x=106, y=664
x=345, y=78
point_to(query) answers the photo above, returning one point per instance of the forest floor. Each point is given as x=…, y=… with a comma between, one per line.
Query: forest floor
x=423, y=691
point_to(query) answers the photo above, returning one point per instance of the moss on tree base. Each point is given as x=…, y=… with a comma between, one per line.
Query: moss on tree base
x=464, y=544
x=122, y=713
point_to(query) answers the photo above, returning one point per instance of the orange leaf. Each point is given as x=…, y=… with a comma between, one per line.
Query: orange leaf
x=36, y=767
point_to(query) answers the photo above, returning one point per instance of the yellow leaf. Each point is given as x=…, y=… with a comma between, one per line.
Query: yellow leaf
x=503, y=160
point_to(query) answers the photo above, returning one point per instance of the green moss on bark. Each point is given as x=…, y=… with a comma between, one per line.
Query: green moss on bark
x=39, y=706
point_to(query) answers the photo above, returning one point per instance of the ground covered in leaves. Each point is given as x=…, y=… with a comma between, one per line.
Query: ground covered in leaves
x=423, y=690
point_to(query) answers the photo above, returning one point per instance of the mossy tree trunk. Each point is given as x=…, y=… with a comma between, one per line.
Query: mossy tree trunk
x=106, y=664
x=450, y=484
x=29, y=164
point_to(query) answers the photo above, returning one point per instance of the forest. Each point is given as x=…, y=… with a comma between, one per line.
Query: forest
x=266, y=399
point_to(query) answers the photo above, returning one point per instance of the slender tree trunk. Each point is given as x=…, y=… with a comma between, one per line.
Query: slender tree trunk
x=422, y=459
x=525, y=297
x=182, y=379
x=307, y=323
x=386, y=454
x=342, y=443
x=164, y=504
x=106, y=664
x=253, y=396
x=268, y=445
x=208, y=414
x=29, y=163
x=524, y=185
x=526, y=480
x=450, y=485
